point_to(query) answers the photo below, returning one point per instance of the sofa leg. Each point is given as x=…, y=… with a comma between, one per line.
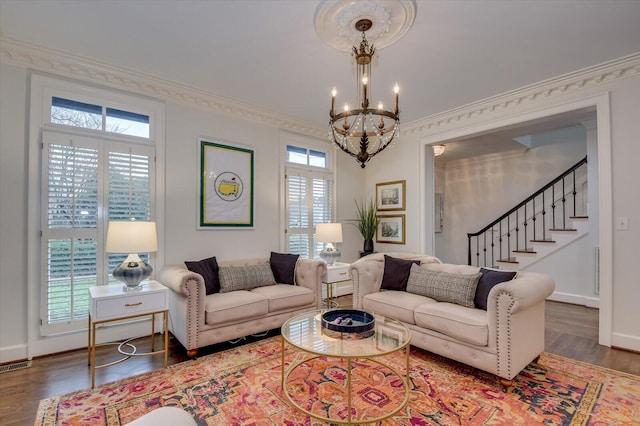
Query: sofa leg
x=506, y=384
x=191, y=353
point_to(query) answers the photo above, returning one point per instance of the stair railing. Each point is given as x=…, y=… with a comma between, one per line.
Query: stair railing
x=524, y=206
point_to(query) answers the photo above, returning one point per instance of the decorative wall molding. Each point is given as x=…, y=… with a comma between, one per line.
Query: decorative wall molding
x=37, y=58
x=34, y=57
x=596, y=75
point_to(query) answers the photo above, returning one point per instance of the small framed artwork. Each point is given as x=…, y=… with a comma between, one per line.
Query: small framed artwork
x=391, y=229
x=390, y=195
x=226, y=186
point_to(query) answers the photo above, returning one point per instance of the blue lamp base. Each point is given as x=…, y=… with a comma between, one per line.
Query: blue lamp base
x=330, y=254
x=132, y=272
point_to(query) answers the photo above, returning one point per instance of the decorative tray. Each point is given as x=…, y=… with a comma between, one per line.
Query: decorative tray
x=348, y=324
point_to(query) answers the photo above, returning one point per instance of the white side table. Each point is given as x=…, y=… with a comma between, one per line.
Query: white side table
x=111, y=303
x=336, y=273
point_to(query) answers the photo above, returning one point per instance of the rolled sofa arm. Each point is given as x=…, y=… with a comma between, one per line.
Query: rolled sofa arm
x=309, y=274
x=186, y=304
x=366, y=276
x=526, y=290
x=177, y=278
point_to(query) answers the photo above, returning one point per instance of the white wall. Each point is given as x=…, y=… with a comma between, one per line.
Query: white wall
x=479, y=190
x=184, y=125
x=402, y=161
x=182, y=241
x=13, y=208
x=625, y=153
x=615, y=89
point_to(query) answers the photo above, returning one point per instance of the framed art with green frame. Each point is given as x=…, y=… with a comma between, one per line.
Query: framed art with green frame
x=225, y=186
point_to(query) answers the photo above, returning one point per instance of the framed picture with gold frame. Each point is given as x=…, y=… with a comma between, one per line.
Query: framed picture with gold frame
x=390, y=195
x=391, y=229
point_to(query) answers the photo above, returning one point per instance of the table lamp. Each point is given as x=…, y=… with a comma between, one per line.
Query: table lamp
x=329, y=233
x=132, y=237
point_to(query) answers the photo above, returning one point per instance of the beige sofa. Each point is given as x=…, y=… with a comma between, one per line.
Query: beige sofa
x=501, y=340
x=199, y=320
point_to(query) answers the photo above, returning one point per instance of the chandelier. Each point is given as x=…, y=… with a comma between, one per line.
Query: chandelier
x=363, y=132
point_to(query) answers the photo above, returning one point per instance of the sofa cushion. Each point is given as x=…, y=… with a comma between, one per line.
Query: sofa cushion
x=443, y=286
x=283, y=266
x=282, y=296
x=466, y=324
x=489, y=279
x=395, y=304
x=396, y=273
x=234, y=278
x=208, y=268
x=233, y=307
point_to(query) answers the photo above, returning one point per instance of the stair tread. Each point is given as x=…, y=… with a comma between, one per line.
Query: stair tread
x=543, y=241
x=525, y=251
x=579, y=217
x=562, y=229
x=511, y=260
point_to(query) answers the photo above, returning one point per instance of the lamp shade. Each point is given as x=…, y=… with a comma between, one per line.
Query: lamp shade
x=329, y=233
x=131, y=236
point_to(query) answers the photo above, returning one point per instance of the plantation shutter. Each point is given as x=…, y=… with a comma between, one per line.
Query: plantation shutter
x=70, y=227
x=85, y=178
x=129, y=192
x=309, y=202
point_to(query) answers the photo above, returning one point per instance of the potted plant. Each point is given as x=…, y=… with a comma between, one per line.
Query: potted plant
x=367, y=223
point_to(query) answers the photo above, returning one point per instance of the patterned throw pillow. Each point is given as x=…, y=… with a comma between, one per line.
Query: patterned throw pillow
x=245, y=277
x=443, y=286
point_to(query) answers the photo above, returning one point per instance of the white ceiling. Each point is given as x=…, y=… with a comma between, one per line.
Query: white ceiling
x=267, y=53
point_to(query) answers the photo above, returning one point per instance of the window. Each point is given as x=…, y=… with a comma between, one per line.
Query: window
x=88, y=116
x=92, y=172
x=309, y=195
x=309, y=157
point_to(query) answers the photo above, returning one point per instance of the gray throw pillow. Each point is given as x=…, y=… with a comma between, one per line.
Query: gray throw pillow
x=245, y=277
x=443, y=286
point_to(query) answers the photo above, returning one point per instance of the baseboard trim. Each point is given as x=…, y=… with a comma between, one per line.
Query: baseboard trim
x=625, y=341
x=13, y=353
x=575, y=299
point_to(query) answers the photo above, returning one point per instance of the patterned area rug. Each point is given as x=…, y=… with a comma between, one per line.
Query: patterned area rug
x=241, y=386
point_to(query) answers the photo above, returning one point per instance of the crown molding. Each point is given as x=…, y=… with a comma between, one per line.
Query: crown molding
x=33, y=57
x=607, y=72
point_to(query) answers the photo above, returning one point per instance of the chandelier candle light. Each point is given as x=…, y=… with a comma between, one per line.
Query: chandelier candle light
x=363, y=132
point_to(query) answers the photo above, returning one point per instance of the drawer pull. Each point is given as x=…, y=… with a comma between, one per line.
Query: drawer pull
x=343, y=273
x=133, y=304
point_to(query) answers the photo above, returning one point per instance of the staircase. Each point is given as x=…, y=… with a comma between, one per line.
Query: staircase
x=543, y=223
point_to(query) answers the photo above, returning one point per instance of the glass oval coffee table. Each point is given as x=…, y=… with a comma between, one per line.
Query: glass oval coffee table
x=327, y=372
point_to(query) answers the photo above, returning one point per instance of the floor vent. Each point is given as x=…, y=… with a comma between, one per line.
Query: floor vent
x=15, y=366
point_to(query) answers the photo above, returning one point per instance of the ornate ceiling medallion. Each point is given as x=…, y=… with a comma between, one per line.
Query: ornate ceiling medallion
x=335, y=21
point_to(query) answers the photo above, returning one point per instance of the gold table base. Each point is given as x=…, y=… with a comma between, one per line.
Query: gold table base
x=91, y=348
x=296, y=363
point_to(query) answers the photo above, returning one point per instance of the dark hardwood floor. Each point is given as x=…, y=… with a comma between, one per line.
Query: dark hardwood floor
x=571, y=331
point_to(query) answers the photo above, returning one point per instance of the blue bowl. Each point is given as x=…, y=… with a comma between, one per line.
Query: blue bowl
x=350, y=322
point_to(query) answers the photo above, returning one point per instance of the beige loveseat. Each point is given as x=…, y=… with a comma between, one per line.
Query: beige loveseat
x=197, y=319
x=501, y=340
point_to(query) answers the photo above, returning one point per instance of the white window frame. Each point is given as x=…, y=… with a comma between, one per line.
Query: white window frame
x=301, y=141
x=42, y=89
